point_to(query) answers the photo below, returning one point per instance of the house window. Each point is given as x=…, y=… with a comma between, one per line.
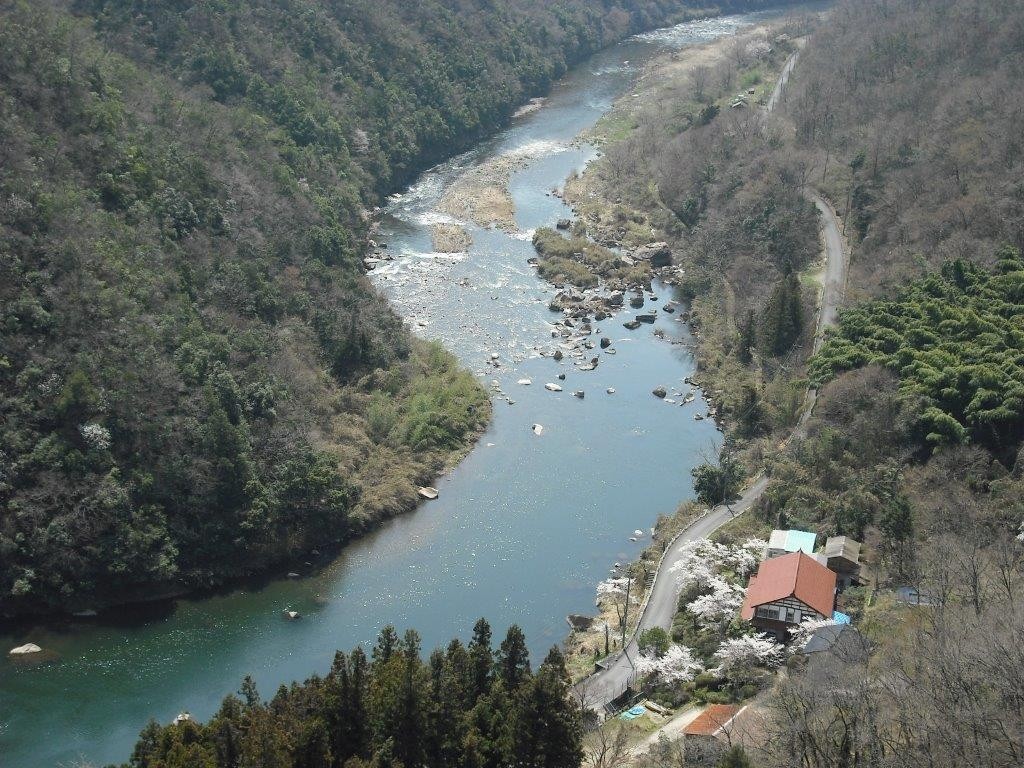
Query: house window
x=791, y=616
x=767, y=612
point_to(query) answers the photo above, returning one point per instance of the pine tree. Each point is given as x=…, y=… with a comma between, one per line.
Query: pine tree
x=748, y=339
x=481, y=658
x=548, y=730
x=513, y=659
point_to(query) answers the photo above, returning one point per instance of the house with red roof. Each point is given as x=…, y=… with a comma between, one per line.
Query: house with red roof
x=713, y=721
x=788, y=590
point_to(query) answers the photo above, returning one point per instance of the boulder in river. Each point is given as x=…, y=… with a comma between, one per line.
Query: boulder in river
x=579, y=623
x=579, y=393
x=538, y=429
x=552, y=387
x=615, y=299
x=558, y=354
x=25, y=650
x=632, y=325
x=605, y=342
x=561, y=377
x=637, y=301
x=563, y=224
x=658, y=254
x=647, y=318
x=659, y=391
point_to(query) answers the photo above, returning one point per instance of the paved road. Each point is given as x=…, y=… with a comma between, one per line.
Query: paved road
x=608, y=684
x=833, y=288
x=787, y=70
x=605, y=686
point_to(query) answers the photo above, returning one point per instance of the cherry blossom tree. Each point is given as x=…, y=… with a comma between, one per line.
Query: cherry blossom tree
x=738, y=656
x=805, y=631
x=677, y=665
x=719, y=605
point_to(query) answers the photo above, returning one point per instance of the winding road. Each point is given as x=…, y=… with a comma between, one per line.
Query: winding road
x=617, y=672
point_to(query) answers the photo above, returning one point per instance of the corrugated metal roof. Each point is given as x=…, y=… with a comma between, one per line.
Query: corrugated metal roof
x=712, y=720
x=793, y=541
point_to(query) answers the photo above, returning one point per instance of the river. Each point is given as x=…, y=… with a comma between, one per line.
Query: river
x=524, y=527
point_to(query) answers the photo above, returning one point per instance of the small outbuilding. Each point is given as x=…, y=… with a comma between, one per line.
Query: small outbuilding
x=783, y=542
x=712, y=722
x=842, y=555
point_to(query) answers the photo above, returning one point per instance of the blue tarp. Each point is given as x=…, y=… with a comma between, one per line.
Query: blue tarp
x=634, y=713
x=840, y=618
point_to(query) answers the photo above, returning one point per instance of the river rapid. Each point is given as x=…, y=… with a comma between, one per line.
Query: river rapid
x=524, y=527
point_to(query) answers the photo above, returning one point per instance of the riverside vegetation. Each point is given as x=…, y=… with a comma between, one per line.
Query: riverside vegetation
x=467, y=705
x=198, y=381
x=904, y=115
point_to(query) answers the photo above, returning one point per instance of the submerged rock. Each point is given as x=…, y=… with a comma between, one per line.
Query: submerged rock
x=25, y=650
x=579, y=393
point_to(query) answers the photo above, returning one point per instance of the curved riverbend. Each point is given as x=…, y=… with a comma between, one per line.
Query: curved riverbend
x=524, y=527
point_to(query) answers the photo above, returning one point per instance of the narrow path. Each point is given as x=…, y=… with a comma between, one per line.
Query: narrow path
x=610, y=682
x=787, y=70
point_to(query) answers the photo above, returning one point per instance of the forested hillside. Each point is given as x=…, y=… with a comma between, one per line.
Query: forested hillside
x=197, y=380
x=469, y=705
x=912, y=114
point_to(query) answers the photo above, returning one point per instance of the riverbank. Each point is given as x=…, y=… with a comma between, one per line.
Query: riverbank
x=630, y=221
x=522, y=528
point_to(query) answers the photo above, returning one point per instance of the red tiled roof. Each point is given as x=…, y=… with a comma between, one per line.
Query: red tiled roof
x=712, y=720
x=793, y=575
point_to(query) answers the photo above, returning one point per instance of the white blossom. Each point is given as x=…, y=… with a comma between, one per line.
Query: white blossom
x=720, y=604
x=1020, y=536
x=758, y=49
x=701, y=559
x=96, y=436
x=739, y=653
x=676, y=666
x=806, y=630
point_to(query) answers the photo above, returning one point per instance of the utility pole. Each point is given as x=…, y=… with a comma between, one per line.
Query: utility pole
x=625, y=610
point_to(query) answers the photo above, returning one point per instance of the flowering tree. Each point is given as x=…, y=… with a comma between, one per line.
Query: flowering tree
x=96, y=436
x=805, y=631
x=738, y=656
x=616, y=591
x=719, y=605
x=677, y=665
x=701, y=560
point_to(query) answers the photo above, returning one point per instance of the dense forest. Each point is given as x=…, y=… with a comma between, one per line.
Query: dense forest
x=197, y=380
x=468, y=705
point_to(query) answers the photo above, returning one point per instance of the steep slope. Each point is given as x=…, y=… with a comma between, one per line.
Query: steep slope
x=197, y=380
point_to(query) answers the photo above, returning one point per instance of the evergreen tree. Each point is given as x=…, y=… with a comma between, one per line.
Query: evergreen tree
x=782, y=320
x=548, y=728
x=748, y=339
x=481, y=658
x=387, y=644
x=513, y=659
